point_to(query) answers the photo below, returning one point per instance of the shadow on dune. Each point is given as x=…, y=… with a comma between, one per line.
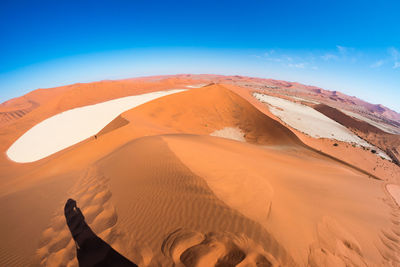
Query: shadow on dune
x=90, y=249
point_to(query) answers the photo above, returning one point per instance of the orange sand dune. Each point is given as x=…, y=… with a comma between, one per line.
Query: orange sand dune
x=204, y=110
x=161, y=191
x=358, y=157
x=312, y=192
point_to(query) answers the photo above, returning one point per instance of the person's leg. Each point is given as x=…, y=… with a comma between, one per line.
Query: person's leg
x=90, y=249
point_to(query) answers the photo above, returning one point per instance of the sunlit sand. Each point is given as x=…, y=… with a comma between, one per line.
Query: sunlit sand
x=73, y=126
x=201, y=177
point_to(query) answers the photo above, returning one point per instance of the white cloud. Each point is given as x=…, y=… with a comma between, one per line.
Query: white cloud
x=342, y=53
x=288, y=58
x=342, y=49
x=275, y=59
x=394, y=53
x=297, y=65
x=377, y=64
x=327, y=57
x=395, y=57
x=269, y=53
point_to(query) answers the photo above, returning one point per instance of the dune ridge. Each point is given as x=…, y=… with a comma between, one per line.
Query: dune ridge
x=207, y=109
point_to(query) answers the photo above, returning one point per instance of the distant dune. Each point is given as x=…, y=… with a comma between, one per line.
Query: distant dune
x=386, y=141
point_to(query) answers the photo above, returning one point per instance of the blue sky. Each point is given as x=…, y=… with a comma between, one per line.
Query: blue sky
x=349, y=46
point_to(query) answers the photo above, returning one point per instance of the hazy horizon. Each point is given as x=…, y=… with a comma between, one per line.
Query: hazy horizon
x=352, y=47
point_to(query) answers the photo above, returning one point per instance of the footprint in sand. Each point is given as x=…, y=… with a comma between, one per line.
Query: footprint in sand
x=389, y=247
x=190, y=248
x=56, y=247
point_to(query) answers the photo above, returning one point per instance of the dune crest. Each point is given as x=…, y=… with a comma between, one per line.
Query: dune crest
x=208, y=109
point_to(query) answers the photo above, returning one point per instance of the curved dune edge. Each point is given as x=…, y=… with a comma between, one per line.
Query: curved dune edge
x=118, y=122
x=73, y=126
x=209, y=109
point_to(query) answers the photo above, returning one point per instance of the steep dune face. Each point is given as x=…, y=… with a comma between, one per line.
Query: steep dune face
x=390, y=143
x=207, y=109
x=113, y=125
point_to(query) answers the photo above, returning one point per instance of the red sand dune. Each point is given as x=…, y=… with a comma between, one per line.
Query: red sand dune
x=210, y=108
x=160, y=190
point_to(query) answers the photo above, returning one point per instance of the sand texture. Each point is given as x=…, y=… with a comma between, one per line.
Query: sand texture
x=209, y=176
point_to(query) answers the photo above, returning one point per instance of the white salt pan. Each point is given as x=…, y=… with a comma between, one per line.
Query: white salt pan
x=311, y=122
x=73, y=126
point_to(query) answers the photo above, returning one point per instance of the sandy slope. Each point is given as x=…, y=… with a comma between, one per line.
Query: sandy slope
x=258, y=183
x=194, y=199
x=190, y=198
